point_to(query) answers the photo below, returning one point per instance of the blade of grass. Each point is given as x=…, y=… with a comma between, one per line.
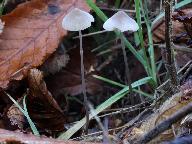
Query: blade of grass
x=24, y=111
x=144, y=94
x=109, y=81
x=117, y=3
x=182, y=3
x=151, y=48
x=101, y=107
x=138, y=16
x=122, y=86
x=2, y=4
x=32, y=125
x=97, y=10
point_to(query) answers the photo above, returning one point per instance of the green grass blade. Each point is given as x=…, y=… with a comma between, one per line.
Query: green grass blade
x=182, y=3
x=24, y=111
x=138, y=16
x=151, y=48
x=102, y=107
x=97, y=10
x=117, y=3
x=144, y=94
x=32, y=125
x=16, y=103
x=109, y=81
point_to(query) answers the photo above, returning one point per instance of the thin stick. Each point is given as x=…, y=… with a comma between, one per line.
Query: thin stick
x=164, y=125
x=91, y=34
x=169, y=58
x=83, y=85
x=127, y=71
x=105, y=131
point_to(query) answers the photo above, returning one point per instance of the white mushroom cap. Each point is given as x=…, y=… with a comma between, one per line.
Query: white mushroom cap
x=122, y=22
x=77, y=20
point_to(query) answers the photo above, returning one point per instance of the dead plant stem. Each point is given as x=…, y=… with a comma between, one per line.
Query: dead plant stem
x=169, y=57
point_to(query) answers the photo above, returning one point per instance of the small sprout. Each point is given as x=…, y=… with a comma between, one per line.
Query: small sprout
x=122, y=22
x=77, y=20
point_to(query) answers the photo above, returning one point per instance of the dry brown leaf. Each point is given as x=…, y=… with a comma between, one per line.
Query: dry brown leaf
x=159, y=28
x=32, y=32
x=15, y=116
x=20, y=138
x=42, y=107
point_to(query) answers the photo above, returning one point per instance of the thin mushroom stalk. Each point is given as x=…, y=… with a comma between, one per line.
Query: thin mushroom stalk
x=127, y=70
x=78, y=20
x=122, y=22
x=83, y=84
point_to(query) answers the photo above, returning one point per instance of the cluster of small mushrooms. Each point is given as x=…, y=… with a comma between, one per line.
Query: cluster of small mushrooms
x=78, y=20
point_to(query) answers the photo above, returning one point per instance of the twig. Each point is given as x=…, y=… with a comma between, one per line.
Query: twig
x=91, y=34
x=169, y=57
x=113, y=9
x=105, y=131
x=164, y=125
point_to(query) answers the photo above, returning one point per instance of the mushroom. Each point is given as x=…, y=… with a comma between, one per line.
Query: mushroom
x=78, y=20
x=122, y=22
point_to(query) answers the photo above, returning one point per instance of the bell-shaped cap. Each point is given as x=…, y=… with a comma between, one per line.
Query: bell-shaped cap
x=122, y=22
x=77, y=20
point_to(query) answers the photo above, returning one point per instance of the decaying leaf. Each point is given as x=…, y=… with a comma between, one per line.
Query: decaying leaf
x=182, y=35
x=20, y=138
x=168, y=108
x=178, y=29
x=32, y=32
x=182, y=16
x=68, y=80
x=42, y=107
x=15, y=116
x=185, y=17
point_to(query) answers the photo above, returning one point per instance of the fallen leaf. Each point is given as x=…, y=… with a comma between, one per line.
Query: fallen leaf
x=42, y=107
x=15, y=116
x=178, y=29
x=185, y=17
x=182, y=35
x=20, y=138
x=32, y=32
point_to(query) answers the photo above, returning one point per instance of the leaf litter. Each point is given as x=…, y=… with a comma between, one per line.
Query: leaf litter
x=29, y=38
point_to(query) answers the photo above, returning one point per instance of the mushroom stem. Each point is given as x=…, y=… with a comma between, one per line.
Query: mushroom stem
x=83, y=85
x=127, y=70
